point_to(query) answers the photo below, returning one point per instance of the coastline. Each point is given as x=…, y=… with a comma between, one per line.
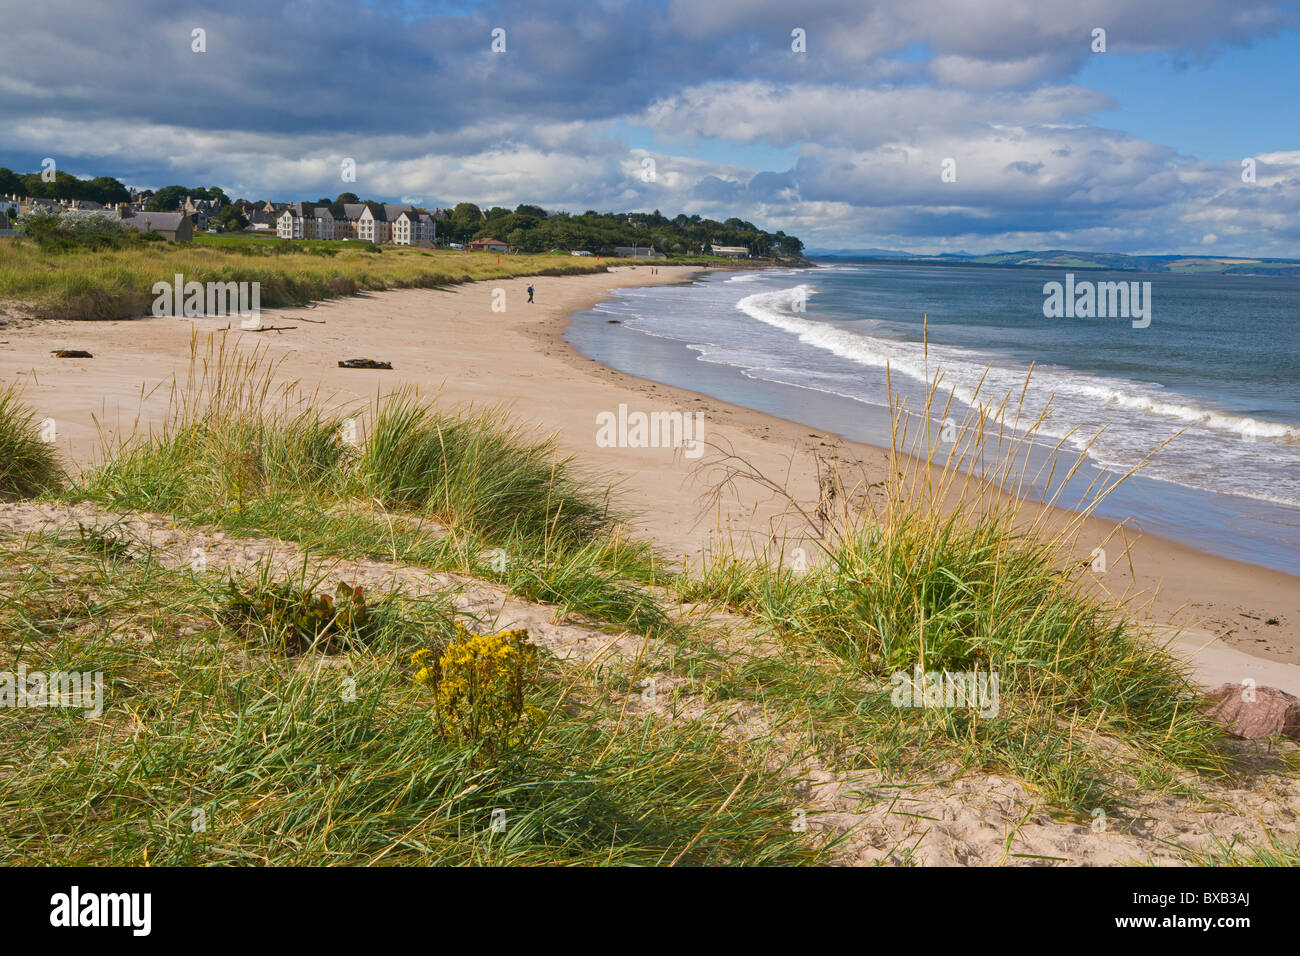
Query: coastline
x=450, y=341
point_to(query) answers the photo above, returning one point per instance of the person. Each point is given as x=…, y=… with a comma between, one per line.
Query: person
x=530, y=293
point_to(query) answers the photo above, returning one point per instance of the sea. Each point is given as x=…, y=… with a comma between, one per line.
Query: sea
x=1207, y=371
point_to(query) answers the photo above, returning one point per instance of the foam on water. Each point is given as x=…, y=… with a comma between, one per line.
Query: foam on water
x=1118, y=421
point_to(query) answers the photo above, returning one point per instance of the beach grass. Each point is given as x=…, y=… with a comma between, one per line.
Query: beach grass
x=940, y=574
x=214, y=747
x=398, y=479
x=28, y=463
x=931, y=573
x=118, y=283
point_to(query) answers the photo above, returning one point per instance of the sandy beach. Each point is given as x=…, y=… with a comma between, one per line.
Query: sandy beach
x=1238, y=621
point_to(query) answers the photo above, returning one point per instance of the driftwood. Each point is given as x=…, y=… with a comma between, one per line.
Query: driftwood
x=71, y=353
x=364, y=363
x=266, y=328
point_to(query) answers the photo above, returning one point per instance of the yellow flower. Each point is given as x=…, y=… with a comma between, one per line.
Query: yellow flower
x=479, y=684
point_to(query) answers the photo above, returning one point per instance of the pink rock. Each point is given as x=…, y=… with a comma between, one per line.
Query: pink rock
x=1272, y=711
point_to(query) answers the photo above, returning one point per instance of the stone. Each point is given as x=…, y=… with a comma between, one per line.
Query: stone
x=1271, y=712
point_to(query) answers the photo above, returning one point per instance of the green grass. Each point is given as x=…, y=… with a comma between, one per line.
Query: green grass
x=940, y=577
x=118, y=283
x=214, y=709
x=215, y=749
x=1272, y=852
x=460, y=490
x=28, y=463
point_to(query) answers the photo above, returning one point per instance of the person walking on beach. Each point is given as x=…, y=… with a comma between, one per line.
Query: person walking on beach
x=530, y=293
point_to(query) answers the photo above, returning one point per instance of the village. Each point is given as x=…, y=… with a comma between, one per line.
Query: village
x=373, y=222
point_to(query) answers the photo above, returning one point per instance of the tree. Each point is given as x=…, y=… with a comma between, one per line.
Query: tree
x=348, y=198
x=230, y=219
x=107, y=190
x=167, y=199
x=466, y=212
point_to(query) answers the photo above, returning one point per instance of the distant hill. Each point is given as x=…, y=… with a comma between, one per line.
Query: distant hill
x=858, y=254
x=1066, y=259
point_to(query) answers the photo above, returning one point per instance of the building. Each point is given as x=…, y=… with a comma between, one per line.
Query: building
x=173, y=226
x=410, y=227
x=324, y=223
x=731, y=252
x=488, y=245
x=373, y=224
x=406, y=228
x=305, y=221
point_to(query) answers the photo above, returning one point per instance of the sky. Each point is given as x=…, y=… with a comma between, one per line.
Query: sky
x=925, y=125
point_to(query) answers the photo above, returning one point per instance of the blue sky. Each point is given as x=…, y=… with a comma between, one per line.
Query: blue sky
x=1241, y=102
x=1137, y=149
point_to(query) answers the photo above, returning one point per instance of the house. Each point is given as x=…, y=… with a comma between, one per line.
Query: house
x=305, y=221
x=173, y=226
x=638, y=252
x=373, y=224
x=404, y=223
x=488, y=245
x=732, y=252
x=288, y=226
x=347, y=218
x=324, y=222
x=200, y=211
x=410, y=226
x=407, y=228
x=293, y=224
x=428, y=227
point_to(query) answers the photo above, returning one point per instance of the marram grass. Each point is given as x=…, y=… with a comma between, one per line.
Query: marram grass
x=933, y=573
x=28, y=463
x=943, y=573
x=214, y=751
x=118, y=283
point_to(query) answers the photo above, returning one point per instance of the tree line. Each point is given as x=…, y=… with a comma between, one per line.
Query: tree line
x=526, y=228
x=530, y=228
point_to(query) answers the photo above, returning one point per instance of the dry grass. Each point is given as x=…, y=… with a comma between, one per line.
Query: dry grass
x=117, y=283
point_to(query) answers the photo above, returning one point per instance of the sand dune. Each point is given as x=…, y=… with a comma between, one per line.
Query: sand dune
x=453, y=342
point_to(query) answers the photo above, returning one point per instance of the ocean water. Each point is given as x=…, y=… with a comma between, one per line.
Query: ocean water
x=1214, y=375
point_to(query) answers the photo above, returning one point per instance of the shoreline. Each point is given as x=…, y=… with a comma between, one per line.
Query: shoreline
x=450, y=341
